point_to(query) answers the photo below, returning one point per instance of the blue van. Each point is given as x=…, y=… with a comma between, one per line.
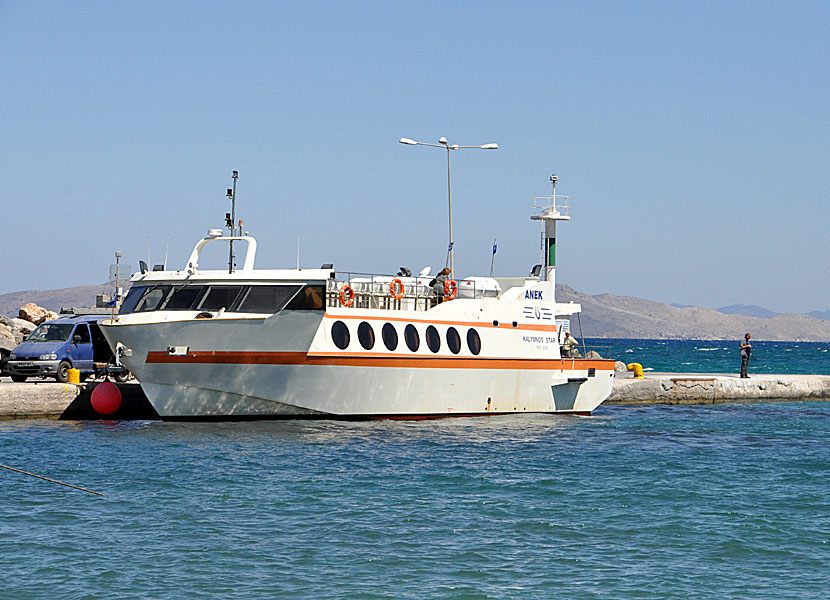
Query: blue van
x=57, y=346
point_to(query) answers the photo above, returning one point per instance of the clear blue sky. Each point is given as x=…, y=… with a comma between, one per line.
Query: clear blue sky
x=693, y=138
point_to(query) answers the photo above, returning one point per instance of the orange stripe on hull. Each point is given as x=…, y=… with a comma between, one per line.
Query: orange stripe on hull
x=376, y=360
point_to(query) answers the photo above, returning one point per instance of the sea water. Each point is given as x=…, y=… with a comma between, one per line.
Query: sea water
x=728, y=501
x=717, y=356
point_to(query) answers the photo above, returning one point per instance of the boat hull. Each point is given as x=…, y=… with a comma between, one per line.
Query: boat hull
x=307, y=390
x=285, y=366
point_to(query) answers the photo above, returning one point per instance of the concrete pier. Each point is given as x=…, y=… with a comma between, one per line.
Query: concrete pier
x=49, y=400
x=46, y=399
x=709, y=388
x=35, y=400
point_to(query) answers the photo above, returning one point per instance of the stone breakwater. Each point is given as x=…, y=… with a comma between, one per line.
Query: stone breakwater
x=50, y=400
x=704, y=388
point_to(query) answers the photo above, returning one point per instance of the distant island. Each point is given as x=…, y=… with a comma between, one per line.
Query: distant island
x=610, y=316
x=752, y=310
x=603, y=316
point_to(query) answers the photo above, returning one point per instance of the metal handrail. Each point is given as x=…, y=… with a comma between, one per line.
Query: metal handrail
x=372, y=290
x=548, y=204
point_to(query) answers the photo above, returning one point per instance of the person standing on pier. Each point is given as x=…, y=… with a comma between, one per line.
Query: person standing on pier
x=746, y=352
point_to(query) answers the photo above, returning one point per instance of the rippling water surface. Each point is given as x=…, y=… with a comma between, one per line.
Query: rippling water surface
x=718, y=356
x=664, y=502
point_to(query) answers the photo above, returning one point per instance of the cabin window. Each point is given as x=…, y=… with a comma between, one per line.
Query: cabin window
x=390, y=336
x=267, y=298
x=453, y=340
x=309, y=298
x=131, y=299
x=411, y=337
x=473, y=341
x=340, y=335
x=184, y=297
x=152, y=298
x=366, y=335
x=220, y=297
x=433, y=339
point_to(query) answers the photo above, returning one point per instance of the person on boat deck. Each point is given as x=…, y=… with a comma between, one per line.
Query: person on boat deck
x=569, y=345
x=746, y=352
x=439, y=282
x=313, y=299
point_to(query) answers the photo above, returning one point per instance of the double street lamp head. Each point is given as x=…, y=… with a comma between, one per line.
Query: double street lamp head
x=443, y=143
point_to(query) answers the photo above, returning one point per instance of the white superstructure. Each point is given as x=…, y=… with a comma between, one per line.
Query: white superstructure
x=249, y=343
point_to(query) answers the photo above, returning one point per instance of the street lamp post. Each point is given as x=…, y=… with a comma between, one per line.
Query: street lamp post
x=442, y=143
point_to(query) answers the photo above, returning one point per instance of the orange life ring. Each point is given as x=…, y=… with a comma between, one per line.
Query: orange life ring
x=396, y=288
x=344, y=291
x=450, y=289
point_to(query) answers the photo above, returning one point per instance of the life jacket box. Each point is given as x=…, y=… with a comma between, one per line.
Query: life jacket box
x=478, y=287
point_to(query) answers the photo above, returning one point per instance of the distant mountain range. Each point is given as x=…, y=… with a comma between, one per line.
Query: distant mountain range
x=751, y=310
x=603, y=315
x=606, y=315
x=820, y=314
x=83, y=295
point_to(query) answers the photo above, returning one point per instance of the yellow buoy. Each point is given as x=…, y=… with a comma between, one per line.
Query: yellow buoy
x=74, y=376
x=637, y=368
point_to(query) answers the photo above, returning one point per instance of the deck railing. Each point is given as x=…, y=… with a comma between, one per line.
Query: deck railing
x=589, y=352
x=368, y=290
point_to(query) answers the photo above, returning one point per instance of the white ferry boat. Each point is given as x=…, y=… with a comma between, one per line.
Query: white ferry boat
x=305, y=343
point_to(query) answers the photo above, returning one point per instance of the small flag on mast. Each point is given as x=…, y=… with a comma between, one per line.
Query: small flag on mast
x=493, y=258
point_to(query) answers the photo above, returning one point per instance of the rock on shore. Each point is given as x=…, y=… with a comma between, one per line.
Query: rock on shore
x=12, y=331
x=36, y=314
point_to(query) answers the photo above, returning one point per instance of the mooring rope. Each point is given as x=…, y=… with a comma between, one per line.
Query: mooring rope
x=52, y=480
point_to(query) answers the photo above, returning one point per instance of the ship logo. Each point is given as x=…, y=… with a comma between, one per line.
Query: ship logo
x=538, y=313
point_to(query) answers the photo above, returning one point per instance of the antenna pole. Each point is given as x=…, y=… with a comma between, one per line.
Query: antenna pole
x=233, y=221
x=449, y=196
x=116, y=294
x=298, y=250
x=166, y=248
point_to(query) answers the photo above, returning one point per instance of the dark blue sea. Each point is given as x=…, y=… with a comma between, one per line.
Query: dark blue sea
x=726, y=501
x=717, y=356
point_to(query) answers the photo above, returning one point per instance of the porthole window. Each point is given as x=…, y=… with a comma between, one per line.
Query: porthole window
x=340, y=335
x=453, y=340
x=390, y=336
x=473, y=341
x=411, y=337
x=366, y=335
x=433, y=339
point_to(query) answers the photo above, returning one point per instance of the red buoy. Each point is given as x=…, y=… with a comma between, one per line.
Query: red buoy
x=106, y=398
